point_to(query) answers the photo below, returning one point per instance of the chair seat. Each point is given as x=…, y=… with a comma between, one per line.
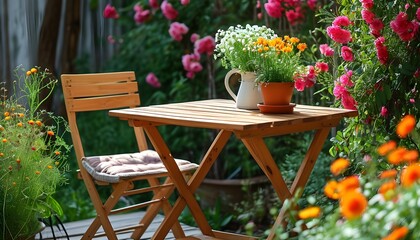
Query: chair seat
x=113, y=168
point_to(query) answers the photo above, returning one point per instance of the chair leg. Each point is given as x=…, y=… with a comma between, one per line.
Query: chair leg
x=103, y=210
x=153, y=209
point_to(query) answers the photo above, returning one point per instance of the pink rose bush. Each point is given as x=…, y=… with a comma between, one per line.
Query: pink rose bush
x=374, y=59
x=292, y=10
x=110, y=12
x=177, y=31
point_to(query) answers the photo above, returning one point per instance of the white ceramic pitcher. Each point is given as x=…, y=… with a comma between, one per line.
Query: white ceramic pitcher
x=248, y=94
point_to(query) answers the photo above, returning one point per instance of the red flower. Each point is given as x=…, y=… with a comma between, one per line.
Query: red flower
x=168, y=10
x=295, y=16
x=274, y=8
x=347, y=54
x=367, y=3
x=141, y=15
x=338, y=34
x=368, y=16
x=191, y=63
x=405, y=29
x=381, y=50
x=321, y=66
x=342, y=21
x=205, y=45
x=154, y=4
x=110, y=12
x=376, y=27
x=348, y=101
x=345, y=79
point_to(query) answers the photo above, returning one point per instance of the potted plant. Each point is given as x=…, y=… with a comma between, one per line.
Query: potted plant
x=32, y=156
x=234, y=47
x=280, y=69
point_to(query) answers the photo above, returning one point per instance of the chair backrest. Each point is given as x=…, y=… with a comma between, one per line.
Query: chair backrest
x=95, y=92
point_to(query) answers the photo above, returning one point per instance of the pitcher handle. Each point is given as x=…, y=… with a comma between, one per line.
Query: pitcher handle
x=227, y=78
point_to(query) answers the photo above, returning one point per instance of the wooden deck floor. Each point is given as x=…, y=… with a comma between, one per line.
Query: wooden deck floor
x=76, y=229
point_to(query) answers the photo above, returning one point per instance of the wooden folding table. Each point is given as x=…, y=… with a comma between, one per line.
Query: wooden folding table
x=250, y=126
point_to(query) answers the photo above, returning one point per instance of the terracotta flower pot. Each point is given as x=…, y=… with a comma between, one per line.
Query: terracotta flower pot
x=277, y=93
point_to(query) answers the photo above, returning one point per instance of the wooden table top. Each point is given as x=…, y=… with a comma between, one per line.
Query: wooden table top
x=222, y=114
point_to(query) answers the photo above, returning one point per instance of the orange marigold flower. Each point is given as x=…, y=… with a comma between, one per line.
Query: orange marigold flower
x=348, y=184
x=19, y=124
x=339, y=166
x=57, y=153
x=37, y=172
x=28, y=73
x=387, y=186
x=396, y=156
x=302, y=46
x=50, y=167
x=331, y=190
x=410, y=175
x=387, y=147
x=406, y=125
x=18, y=161
x=411, y=155
x=398, y=233
x=39, y=123
x=353, y=204
x=309, y=212
x=1, y=154
x=21, y=115
x=1, y=128
x=6, y=114
x=391, y=173
x=4, y=140
x=31, y=122
x=34, y=70
x=50, y=133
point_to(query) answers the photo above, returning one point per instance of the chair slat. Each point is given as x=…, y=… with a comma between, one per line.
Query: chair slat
x=102, y=89
x=94, y=78
x=102, y=103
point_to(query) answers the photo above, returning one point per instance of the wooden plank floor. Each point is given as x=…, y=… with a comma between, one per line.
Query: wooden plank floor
x=76, y=229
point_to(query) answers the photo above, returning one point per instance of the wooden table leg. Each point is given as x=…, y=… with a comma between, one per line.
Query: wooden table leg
x=186, y=190
x=304, y=171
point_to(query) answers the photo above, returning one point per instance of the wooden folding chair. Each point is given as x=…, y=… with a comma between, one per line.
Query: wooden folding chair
x=105, y=91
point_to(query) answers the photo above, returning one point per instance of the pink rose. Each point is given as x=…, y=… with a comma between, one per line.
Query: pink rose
x=152, y=80
x=367, y=3
x=194, y=37
x=295, y=16
x=110, y=12
x=342, y=21
x=141, y=15
x=177, y=30
x=381, y=50
x=338, y=90
x=345, y=79
x=300, y=84
x=322, y=66
x=312, y=4
x=154, y=4
x=205, y=45
x=348, y=101
x=274, y=8
x=418, y=14
x=326, y=50
x=338, y=34
x=405, y=29
x=191, y=63
x=168, y=11
x=376, y=27
x=368, y=16
x=384, y=111
x=347, y=54
x=185, y=2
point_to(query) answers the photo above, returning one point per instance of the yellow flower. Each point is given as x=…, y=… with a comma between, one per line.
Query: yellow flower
x=294, y=40
x=4, y=140
x=310, y=212
x=57, y=153
x=19, y=124
x=302, y=46
x=28, y=73
x=339, y=166
x=6, y=114
x=50, y=167
x=21, y=115
x=34, y=70
x=31, y=122
x=7, y=118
